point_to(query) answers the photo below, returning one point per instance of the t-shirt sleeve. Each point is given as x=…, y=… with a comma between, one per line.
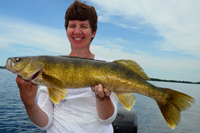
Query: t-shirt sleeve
x=45, y=104
x=112, y=118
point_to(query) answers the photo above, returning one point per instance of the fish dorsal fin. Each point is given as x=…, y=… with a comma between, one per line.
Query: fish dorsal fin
x=126, y=99
x=133, y=66
x=75, y=57
x=56, y=94
x=52, y=81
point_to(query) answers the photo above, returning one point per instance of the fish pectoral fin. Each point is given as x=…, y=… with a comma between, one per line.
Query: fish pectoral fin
x=126, y=99
x=56, y=94
x=133, y=66
x=52, y=80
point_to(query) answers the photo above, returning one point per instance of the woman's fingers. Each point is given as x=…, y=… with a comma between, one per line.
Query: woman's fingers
x=100, y=90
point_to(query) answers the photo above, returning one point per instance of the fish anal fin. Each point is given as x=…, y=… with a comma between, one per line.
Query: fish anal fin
x=174, y=104
x=56, y=94
x=133, y=66
x=52, y=80
x=126, y=99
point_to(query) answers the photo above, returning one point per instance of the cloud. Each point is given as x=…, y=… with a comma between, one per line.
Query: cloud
x=177, y=22
x=121, y=40
x=18, y=36
x=154, y=66
x=15, y=34
x=147, y=60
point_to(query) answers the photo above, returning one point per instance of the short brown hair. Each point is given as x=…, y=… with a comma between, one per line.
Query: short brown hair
x=81, y=11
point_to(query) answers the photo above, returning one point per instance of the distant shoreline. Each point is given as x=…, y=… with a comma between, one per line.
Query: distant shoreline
x=2, y=67
x=155, y=79
x=173, y=81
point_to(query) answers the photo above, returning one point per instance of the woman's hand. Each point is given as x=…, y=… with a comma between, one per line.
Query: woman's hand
x=101, y=91
x=104, y=105
x=27, y=90
x=28, y=93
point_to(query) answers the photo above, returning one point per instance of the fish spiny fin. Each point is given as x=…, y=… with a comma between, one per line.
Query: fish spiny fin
x=82, y=58
x=133, y=66
x=126, y=99
x=75, y=57
x=176, y=102
x=56, y=94
x=52, y=80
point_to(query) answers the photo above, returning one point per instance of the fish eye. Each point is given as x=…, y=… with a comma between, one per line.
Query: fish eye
x=17, y=59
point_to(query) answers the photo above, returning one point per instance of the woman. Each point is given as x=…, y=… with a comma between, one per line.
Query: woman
x=90, y=109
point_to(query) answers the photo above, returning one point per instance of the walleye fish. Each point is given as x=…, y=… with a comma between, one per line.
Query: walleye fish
x=123, y=77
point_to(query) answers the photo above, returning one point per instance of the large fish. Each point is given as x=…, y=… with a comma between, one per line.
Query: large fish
x=123, y=77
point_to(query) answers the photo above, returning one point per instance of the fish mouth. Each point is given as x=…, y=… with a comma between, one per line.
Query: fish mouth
x=36, y=75
x=9, y=64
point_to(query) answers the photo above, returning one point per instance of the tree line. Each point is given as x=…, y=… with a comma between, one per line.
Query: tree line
x=2, y=67
x=154, y=79
x=175, y=81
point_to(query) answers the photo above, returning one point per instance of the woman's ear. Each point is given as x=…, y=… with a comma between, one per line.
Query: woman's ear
x=93, y=34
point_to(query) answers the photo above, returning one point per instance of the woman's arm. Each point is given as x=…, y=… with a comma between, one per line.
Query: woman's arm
x=28, y=93
x=104, y=104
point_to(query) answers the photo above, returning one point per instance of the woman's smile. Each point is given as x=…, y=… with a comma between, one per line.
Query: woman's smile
x=79, y=34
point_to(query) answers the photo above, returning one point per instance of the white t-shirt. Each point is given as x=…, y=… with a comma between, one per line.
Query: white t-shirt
x=76, y=113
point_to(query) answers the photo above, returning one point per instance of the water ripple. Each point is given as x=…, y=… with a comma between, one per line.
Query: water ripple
x=13, y=117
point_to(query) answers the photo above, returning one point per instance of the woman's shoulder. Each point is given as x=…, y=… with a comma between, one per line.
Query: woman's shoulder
x=96, y=57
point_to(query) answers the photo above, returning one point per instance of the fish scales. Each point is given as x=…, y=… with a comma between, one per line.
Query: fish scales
x=123, y=77
x=78, y=73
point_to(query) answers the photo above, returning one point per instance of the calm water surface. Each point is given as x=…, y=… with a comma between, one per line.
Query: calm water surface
x=13, y=117
x=150, y=119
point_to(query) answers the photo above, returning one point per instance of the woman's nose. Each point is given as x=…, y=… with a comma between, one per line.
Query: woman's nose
x=77, y=30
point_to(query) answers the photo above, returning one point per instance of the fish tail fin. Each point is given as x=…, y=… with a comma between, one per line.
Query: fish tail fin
x=126, y=99
x=175, y=103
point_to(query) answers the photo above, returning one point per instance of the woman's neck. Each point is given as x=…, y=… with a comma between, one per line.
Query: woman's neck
x=84, y=54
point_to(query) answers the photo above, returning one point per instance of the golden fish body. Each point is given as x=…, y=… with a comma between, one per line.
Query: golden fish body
x=123, y=77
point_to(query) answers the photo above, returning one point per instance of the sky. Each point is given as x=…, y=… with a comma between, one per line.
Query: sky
x=161, y=36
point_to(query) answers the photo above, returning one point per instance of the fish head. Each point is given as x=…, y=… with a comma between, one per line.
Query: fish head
x=29, y=68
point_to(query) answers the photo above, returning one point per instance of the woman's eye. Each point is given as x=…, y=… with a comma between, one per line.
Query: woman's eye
x=71, y=26
x=84, y=26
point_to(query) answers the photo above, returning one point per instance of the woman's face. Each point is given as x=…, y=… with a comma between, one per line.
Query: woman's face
x=79, y=34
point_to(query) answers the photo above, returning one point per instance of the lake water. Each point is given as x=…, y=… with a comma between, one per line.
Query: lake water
x=13, y=117
x=150, y=119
